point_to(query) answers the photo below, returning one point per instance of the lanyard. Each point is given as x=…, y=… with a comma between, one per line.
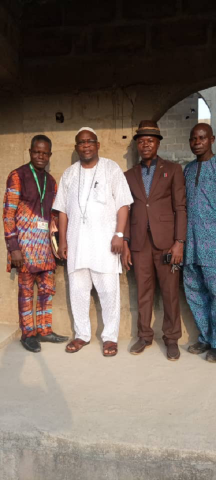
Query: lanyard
x=42, y=195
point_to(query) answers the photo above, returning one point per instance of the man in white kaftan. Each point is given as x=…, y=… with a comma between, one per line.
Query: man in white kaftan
x=94, y=196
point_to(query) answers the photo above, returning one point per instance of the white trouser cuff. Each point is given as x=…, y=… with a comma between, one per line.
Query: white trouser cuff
x=111, y=338
x=85, y=338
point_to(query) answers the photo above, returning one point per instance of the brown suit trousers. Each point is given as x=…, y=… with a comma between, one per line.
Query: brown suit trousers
x=147, y=263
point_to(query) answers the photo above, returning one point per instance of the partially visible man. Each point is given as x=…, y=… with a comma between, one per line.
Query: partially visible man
x=93, y=199
x=28, y=200
x=200, y=254
x=156, y=227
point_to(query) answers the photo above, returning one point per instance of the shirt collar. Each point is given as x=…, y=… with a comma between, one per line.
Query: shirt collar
x=209, y=160
x=153, y=163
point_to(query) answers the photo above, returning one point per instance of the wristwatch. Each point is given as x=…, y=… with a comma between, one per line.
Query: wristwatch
x=180, y=241
x=119, y=234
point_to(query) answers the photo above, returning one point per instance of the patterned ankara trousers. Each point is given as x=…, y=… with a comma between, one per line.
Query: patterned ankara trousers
x=200, y=290
x=46, y=289
x=108, y=289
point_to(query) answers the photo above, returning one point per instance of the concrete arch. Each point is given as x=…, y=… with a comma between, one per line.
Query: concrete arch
x=206, y=101
x=175, y=126
x=177, y=93
x=177, y=122
x=209, y=96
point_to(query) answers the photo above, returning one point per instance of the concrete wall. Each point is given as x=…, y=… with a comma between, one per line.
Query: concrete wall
x=9, y=45
x=175, y=127
x=115, y=116
x=209, y=95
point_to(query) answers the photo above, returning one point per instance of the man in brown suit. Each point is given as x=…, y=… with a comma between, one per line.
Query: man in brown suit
x=156, y=226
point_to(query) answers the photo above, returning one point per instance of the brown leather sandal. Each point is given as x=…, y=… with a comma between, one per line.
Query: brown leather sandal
x=111, y=347
x=77, y=343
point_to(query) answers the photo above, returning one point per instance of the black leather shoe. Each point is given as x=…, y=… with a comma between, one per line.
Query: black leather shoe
x=211, y=355
x=199, y=348
x=51, y=337
x=31, y=344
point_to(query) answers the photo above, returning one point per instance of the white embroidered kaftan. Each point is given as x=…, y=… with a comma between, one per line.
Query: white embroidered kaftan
x=89, y=243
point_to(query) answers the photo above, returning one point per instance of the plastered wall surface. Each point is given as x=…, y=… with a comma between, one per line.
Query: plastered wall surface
x=114, y=115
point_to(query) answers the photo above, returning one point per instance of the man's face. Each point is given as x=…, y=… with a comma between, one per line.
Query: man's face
x=40, y=155
x=201, y=141
x=87, y=146
x=147, y=147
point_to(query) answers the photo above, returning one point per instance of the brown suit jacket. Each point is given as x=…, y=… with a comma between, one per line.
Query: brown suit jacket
x=164, y=209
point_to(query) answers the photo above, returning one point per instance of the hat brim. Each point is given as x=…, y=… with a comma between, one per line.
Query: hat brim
x=147, y=135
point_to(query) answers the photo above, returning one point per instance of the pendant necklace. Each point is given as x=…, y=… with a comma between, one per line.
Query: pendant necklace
x=83, y=213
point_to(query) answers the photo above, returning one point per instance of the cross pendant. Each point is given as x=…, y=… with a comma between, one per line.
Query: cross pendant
x=84, y=218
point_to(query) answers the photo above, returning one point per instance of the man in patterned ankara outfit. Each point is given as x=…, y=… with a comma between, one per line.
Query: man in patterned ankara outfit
x=200, y=252
x=93, y=199
x=28, y=200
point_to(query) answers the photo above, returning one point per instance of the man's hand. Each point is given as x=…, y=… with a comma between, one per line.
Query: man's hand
x=17, y=258
x=117, y=244
x=62, y=251
x=54, y=224
x=126, y=257
x=177, y=253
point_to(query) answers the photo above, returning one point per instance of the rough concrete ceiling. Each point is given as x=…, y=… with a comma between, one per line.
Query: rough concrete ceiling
x=65, y=45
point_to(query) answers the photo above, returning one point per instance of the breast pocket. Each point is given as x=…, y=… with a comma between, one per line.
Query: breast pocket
x=99, y=193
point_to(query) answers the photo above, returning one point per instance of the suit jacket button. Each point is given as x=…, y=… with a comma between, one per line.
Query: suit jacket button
x=147, y=205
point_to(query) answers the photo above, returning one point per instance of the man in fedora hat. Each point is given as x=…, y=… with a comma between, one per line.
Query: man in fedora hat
x=156, y=227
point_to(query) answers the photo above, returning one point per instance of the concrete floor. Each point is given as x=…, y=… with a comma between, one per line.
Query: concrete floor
x=8, y=333
x=67, y=416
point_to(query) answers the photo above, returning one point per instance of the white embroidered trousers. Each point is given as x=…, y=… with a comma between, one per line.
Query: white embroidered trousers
x=108, y=289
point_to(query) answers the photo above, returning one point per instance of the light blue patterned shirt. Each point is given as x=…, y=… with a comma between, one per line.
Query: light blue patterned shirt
x=148, y=174
x=200, y=245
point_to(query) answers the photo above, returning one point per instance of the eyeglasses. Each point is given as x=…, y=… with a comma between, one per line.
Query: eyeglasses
x=38, y=152
x=86, y=142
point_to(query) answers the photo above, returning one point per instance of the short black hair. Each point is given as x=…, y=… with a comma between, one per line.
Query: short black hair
x=41, y=138
x=203, y=125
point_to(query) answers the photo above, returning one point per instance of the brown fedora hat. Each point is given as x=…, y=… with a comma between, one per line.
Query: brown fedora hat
x=148, y=128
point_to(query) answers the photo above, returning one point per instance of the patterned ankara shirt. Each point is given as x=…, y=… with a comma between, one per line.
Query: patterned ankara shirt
x=201, y=211
x=22, y=211
x=148, y=174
